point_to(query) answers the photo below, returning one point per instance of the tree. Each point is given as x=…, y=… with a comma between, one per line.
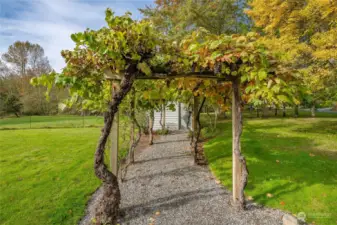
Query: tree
x=26, y=57
x=19, y=64
x=10, y=103
x=178, y=18
x=304, y=32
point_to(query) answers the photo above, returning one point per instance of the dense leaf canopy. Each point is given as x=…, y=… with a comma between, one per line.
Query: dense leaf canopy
x=110, y=50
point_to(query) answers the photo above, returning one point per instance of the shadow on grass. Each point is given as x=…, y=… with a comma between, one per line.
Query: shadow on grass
x=280, y=165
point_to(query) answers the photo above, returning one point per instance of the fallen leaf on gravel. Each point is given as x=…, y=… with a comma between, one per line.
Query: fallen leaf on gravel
x=269, y=195
x=217, y=182
x=157, y=213
x=250, y=198
x=282, y=203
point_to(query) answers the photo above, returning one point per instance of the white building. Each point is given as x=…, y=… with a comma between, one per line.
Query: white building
x=174, y=120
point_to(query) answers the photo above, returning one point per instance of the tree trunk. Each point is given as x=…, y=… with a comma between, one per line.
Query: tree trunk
x=106, y=211
x=284, y=111
x=313, y=110
x=251, y=108
x=257, y=112
x=194, y=119
x=240, y=172
x=264, y=112
x=198, y=130
x=296, y=111
x=151, y=120
x=276, y=111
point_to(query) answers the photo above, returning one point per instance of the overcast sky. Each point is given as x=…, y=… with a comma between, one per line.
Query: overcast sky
x=49, y=23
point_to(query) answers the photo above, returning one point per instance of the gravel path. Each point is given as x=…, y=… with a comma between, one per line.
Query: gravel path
x=165, y=187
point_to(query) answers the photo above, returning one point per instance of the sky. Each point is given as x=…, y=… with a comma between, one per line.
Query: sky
x=50, y=23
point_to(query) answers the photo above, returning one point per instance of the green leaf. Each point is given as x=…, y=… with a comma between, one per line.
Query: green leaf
x=262, y=74
x=216, y=54
x=74, y=38
x=144, y=68
x=215, y=44
x=193, y=47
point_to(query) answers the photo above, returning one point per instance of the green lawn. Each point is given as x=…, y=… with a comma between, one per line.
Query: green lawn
x=292, y=159
x=27, y=122
x=47, y=174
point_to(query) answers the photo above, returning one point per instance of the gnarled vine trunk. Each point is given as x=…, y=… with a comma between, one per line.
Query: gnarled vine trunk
x=161, y=118
x=197, y=131
x=151, y=121
x=240, y=172
x=106, y=211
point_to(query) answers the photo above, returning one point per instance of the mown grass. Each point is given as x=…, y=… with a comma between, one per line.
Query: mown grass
x=27, y=122
x=47, y=175
x=294, y=160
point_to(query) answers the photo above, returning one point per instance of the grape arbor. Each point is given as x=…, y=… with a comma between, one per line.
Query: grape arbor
x=225, y=65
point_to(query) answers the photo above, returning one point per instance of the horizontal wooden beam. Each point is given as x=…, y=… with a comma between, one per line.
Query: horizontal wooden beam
x=158, y=76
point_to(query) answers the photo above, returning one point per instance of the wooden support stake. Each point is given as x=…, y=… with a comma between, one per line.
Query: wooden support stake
x=114, y=143
x=236, y=130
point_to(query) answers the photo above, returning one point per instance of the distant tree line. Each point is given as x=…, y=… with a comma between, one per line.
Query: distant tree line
x=18, y=65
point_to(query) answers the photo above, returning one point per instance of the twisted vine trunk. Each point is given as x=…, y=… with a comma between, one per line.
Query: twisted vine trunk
x=106, y=211
x=194, y=121
x=198, y=131
x=240, y=172
x=151, y=121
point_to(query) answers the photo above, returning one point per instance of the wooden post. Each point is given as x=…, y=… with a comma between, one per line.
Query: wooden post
x=236, y=145
x=114, y=143
x=194, y=113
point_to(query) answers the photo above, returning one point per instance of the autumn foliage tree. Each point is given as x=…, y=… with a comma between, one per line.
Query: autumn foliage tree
x=304, y=33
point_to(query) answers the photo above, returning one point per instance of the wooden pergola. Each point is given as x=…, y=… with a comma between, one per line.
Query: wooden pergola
x=115, y=79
